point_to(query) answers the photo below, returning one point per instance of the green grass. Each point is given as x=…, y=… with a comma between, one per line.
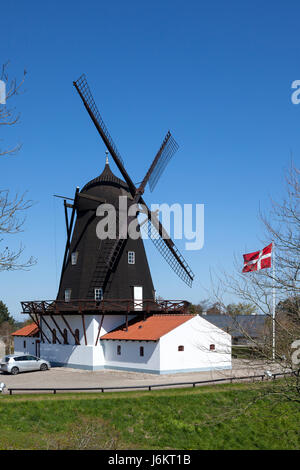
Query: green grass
x=240, y=416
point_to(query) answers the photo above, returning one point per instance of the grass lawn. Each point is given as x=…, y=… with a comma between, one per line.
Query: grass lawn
x=240, y=416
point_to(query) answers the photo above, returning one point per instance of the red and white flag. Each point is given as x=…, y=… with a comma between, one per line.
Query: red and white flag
x=258, y=260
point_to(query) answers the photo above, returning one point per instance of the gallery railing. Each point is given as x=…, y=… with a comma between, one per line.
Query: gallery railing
x=47, y=307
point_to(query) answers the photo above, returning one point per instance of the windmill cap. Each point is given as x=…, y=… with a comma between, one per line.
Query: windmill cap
x=106, y=177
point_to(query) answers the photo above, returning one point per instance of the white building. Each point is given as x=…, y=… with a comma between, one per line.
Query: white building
x=27, y=340
x=160, y=344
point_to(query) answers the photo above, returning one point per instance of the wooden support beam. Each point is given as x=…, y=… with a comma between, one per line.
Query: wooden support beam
x=71, y=331
x=57, y=326
x=99, y=330
x=84, y=330
x=66, y=217
x=50, y=329
x=69, y=232
x=38, y=324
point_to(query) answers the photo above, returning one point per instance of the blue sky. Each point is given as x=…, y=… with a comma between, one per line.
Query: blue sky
x=217, y=74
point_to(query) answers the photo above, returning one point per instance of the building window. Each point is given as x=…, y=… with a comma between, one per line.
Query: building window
x=119, y=350
x=98, y=293
x=212, y=347
x=54, y=338
x=142, y=351
x=131, y=257
x=74, y=257
x=76, y=333
x=65, y=336
x=24, y=344
x=68, y=295
x=181, y=348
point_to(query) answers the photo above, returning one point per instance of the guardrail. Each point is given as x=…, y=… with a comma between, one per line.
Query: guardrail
x=148, y=387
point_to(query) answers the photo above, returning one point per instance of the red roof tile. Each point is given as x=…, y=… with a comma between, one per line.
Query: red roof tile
x=28, y=330
x=151, y=329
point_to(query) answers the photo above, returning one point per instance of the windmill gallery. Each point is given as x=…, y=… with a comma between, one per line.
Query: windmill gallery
x=106, y=314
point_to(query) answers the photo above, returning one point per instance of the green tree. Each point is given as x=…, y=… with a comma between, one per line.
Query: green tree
x=242, y=308
x=5, y=315
x=199, y=308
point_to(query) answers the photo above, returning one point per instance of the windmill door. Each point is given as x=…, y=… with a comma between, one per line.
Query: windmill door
x=138, y=297
x=37, y=348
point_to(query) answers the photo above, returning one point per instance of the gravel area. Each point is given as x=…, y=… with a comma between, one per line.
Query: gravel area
x=61, y=377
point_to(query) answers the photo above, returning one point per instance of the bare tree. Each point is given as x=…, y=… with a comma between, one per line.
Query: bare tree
x=12, y=209
x=8, y=115
x=281, y=226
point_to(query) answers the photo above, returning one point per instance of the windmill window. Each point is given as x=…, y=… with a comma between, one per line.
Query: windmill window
x=212, y=347
x=119, y=350
x=131, y=257
x=74, y=257
x=98, y=293
x=68, y=295
x=180, y=348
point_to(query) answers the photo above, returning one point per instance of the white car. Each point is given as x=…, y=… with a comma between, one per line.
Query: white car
x=15, y=363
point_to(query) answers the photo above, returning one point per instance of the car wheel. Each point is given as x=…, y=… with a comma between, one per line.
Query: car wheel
x=14, y=371
x=44, y=367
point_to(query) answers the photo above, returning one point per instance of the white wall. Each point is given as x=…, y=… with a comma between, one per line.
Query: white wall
x=84, y=356
x=196, y=335
x=29, y=345
x=130, y=355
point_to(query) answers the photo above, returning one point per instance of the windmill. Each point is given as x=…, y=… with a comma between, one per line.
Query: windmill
x=101, y=276
x=153, y=226
x=106, y=283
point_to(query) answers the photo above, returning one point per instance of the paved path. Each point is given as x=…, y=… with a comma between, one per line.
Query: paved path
x=72, y=378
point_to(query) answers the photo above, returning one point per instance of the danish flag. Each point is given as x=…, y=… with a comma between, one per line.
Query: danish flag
x=258, y=260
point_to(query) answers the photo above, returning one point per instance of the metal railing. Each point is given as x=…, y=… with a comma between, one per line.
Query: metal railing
x=152, y=386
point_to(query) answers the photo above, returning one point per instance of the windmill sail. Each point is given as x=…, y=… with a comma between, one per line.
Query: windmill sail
x=172, y=255
x=166, y=154
x=84, y=90
x=167, y=150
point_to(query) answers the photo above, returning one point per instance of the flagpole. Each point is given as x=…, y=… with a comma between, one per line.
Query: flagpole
x=274, y=302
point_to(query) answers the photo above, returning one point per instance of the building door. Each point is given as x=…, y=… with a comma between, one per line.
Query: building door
x=138, y=297
x=37, y=348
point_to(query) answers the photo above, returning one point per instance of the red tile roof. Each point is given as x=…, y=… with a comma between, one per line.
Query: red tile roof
x=28, y=330
x=151, y=329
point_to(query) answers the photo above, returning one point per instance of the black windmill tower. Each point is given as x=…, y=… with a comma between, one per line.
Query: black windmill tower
x=95, y=269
